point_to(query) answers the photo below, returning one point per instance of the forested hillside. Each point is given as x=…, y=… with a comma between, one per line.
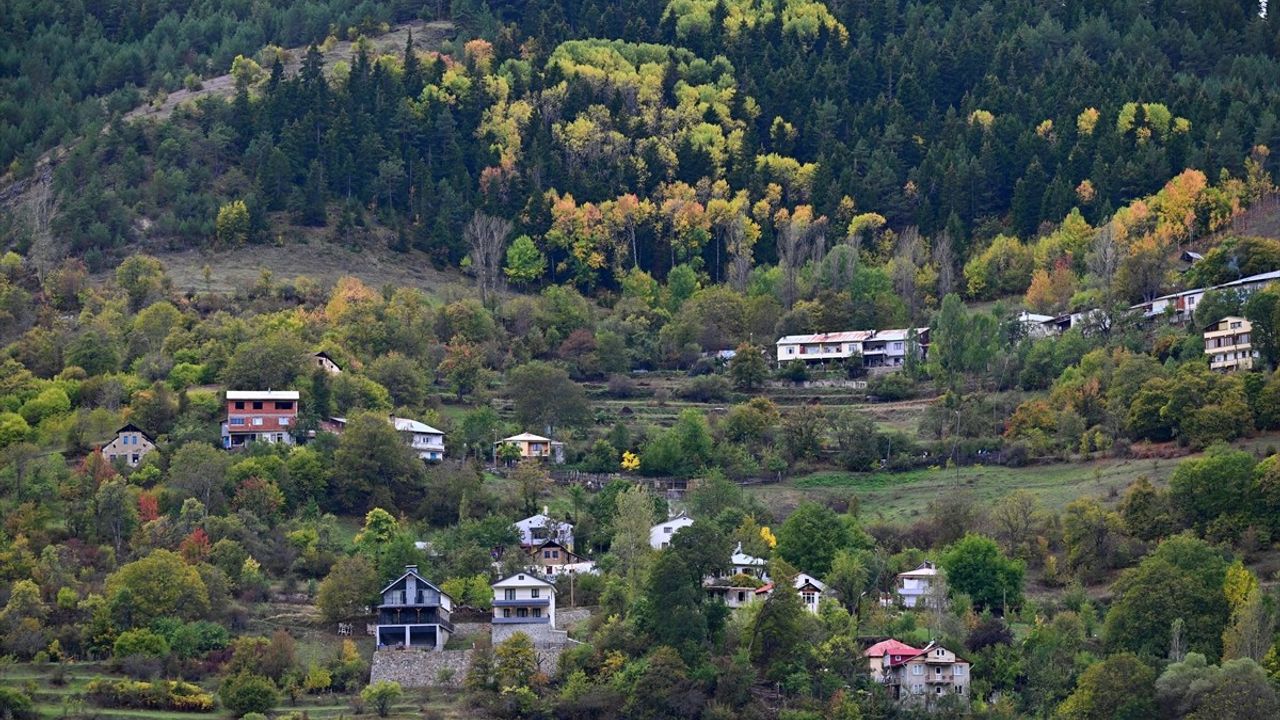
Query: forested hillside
x=845, y=360
x=624, y=133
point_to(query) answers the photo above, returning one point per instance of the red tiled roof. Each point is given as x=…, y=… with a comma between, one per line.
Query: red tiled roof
x=890, y=647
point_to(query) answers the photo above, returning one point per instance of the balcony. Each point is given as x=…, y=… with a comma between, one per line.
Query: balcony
x=523, y=602
x=412, y=617
x=443, y=624
x=544, y=620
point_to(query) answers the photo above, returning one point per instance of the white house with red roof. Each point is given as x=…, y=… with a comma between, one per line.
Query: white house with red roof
x=885, y=653
x=922, y=676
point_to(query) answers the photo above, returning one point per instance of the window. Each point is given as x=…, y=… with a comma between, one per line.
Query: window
x=957, y=670
x=285, y=405
x=522, y=612
x=506, y=612
x=257, y=405
x=535, y=592
x=257, y=421
x=134, y=458
x=742, y=596
x=667, y=530
x=509, y=594
x=239, y=405
x=791, y=351
x=236, y=421
x=917, y=669
x=537, y=612
x=546, y=554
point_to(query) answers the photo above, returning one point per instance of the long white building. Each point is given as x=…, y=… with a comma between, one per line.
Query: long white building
x=878, y=348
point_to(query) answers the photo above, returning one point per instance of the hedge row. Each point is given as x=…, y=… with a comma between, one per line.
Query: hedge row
x=163, y=695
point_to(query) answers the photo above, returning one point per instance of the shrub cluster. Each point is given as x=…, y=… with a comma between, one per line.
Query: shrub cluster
x=161, y=695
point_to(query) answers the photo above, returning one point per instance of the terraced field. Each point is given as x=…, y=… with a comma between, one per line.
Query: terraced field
x=58, y=692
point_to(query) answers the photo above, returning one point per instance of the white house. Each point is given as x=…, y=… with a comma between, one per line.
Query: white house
x=538, y=529
x=524, y=599
x=660, y=535
x=425, y=440
x=741, y=563
x=811, y=590
x=913, y=587
x=889, y=348
x=1182, y=305
x=1036, y=326
x=878, y=348
x=326, y=363
x=131, y=444
x=822, y=346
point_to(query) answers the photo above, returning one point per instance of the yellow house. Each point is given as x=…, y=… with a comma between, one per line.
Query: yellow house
x=1228, y=344
x=535, y=447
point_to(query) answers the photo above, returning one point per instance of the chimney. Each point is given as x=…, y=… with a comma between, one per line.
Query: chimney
x=411, y=568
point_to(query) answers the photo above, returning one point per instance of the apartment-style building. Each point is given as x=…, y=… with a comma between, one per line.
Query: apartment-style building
x=260, y=416
x=1228, y=344
x=878, y=348
x=822, y=346
x=925, y=677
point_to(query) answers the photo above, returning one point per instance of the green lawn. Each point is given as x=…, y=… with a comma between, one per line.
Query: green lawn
x=904, y=496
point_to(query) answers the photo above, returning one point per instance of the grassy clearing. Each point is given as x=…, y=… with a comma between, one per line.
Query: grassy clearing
x=905, y=496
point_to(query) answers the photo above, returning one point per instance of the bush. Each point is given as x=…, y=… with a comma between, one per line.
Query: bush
x=621, y=386
x=15, y=705
x=795, y=371
x=163, y=695
x=706, y=388
x=248, y=693
x=142, y=642
x=382, y=696
x=892, y=386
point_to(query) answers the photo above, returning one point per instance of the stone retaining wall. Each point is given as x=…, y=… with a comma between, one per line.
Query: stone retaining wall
x=414, y=668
